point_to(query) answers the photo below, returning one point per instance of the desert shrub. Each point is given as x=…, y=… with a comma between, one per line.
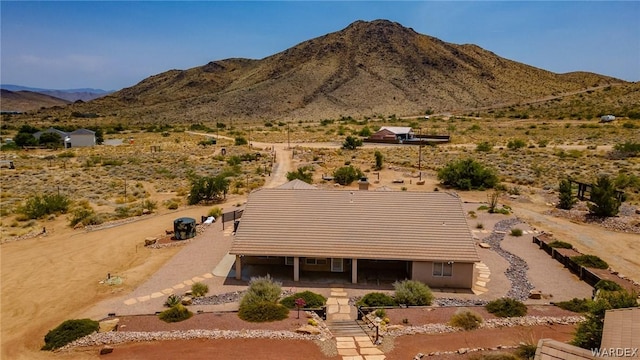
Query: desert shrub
x=216, y=212
x=208, y=188
x=262, y=289
x=347, y=174
x=303, y=173
x=603, y=198
x=506, y=307
x=241, y=140
x=607, y=285
x=149, y=205
x=83, y=214
x=311, y=299
x=484, y=146
x=262, y=311
x=526, y=351
x=351, y=143
x=381, y=313
x=176, y=313
x=628, y=148
x=413, y=293
x=566, y=200
x=199, y=289
x=516, y=144
x=172, y=300
x=590, y=261
x=560, y=245
x=37, y=207
x=516, y=232
x=312, y=322
x=374, y=299
x=575, y=305
x=67, y=154
x=69, y=331
x=379, y=160
x=467, y=174
x=466, y=319
x=588, y=335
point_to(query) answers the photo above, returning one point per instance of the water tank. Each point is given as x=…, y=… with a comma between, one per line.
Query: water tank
x=184, y=228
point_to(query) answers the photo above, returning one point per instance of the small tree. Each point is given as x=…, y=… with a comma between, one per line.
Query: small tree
x=351, y=143
x=347, y=174
x=603, y=196
x=566, y=196
x=379, y=160
x=303, y=173
x=467, y=174
x=492, y=198
x=241, y=140
x=300, y=303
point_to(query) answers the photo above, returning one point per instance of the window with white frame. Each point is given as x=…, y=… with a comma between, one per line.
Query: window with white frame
x=443, y=268
x=315, y=261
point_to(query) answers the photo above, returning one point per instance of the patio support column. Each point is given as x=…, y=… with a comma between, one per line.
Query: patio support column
x=296, y=268
x=354, y=271
x=238, y=267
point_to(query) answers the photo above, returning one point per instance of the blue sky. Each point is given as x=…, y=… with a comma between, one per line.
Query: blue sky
x=112, y=45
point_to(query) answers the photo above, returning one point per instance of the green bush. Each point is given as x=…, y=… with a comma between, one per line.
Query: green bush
x=176, y=313
x=566, y=199
x=575, y=305
x=412, y=293
x=560, y=245
x=311, y=299
x=526, y=351
x=38, y=206
x=516, y=232
x=516, y=144
x=377, y=299
x=216, y=212
x=506, y=307
x=69, y=331
x=304, y=173
x=467, y=174
x=590, y=261
x=351, y=143
x=589, y=333
x=346, y=175
x=381, y=313
x=199, y=289
x=604, y=202
x=466, y=319
x=262, y=311
x=172, y=300
x=262, y=289
x=484, y=146
x=240, y=140
x=607, y=285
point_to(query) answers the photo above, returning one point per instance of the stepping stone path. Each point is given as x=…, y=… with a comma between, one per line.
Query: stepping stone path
x=352, y=342
x=480, y=285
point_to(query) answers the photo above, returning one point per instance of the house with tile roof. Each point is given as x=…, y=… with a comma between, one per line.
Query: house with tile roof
x=363, y=236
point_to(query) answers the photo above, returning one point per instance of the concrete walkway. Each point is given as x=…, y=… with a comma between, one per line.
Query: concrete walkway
x=358, y=346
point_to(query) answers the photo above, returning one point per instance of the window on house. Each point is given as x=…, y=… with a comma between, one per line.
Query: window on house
x=288, y=260
x=442, y=268
x=315, y=261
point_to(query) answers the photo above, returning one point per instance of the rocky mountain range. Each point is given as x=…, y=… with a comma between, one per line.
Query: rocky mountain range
x=368, y=68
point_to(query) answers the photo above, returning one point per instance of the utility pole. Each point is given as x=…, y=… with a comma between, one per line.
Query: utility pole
x=288, y=137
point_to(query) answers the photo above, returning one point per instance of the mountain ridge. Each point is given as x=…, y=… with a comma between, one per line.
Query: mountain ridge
x=367, y=68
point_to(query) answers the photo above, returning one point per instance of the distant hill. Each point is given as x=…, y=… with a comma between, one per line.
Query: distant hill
x=368, y=68
x=84, y=94
x=20, y=101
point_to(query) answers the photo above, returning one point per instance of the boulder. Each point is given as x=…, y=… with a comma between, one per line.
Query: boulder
x=150, y=241
x=186, y=300
x=308, y=329
x=463, y=350
x=106, y=350
x=535, y=294
x=108, y=325
x=484, y=245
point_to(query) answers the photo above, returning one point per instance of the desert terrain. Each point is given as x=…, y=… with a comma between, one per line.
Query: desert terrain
x=58, y=274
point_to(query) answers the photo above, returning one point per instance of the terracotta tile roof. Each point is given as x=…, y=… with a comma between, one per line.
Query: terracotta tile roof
x=389, y=225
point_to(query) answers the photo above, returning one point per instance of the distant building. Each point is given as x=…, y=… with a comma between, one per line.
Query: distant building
x=64, y=137
x=393, y=132
x=82, y=138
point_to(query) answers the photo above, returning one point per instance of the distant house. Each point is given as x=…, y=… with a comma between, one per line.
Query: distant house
x=383, y=134
x=82, y=138
x=400, y=132
x=64, y=137
x=607, y=118
x=357, y=236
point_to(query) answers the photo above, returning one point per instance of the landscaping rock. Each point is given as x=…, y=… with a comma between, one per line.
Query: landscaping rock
x=186, y=300
x=309, y=330
x=106, y=350
x=108, y=325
